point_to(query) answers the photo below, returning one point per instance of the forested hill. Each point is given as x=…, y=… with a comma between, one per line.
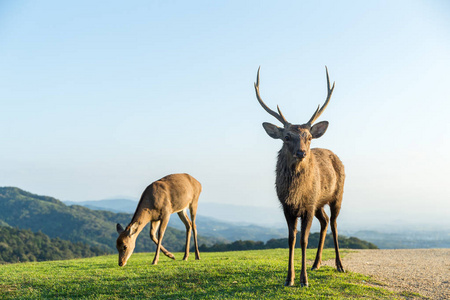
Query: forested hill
x=22, y=245
x=74, y=223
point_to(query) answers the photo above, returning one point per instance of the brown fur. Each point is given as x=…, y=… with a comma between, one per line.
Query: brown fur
x=172, y=194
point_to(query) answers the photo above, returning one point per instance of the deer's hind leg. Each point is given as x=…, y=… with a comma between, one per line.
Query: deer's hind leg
x=184, y=218
x=153, y=227
x=193, y=212
x=335, y=208
x=323, y=219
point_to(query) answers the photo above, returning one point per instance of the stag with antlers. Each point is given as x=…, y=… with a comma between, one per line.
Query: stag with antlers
x=306, y=180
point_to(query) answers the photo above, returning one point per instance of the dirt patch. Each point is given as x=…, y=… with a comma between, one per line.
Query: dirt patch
x=408, y=271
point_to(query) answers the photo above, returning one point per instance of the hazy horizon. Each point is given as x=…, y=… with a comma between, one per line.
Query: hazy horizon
x=101, y=99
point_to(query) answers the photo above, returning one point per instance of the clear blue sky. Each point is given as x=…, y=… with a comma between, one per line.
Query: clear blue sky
x=99, y=99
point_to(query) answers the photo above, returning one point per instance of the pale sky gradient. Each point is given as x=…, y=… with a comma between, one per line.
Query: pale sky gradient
x=99, y=99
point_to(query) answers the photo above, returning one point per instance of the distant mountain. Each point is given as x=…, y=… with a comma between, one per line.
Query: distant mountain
x=231, y=231
x=245, y=214
x=207, y=226
x=407, y=239
x=75, y=223
x=113, y=205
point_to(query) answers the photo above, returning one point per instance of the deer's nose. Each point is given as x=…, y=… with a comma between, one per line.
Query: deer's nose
x=301, y=154
x=120, y=263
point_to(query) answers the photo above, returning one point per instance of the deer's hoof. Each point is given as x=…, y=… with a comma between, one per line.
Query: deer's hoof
x=340, y=269
x=315, y=268
x=304, y=284
x=289, y=283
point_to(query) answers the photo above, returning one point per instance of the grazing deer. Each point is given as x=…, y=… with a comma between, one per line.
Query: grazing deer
x=306, y=180
x=171, y=194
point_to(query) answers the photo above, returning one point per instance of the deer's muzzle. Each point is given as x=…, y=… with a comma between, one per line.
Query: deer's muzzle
x=300, y=154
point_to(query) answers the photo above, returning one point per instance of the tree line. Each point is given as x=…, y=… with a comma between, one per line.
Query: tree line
x=344, y=242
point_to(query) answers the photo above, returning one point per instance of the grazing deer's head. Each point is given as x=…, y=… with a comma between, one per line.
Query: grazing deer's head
x=126, y=242
x=296, y=138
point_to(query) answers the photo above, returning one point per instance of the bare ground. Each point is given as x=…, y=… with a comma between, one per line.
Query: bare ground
x=422, y=271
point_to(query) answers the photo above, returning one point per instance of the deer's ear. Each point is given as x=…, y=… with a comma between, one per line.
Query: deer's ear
x=133, y=228
x=273, y=131
x=319, y=129
x=119, y=228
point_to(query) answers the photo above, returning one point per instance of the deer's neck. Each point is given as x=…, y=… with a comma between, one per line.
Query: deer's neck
x=141, y=216
x=292, y=167
x=294, y=178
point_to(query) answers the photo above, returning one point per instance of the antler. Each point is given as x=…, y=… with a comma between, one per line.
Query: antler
x=279, y=116
x=319, y=110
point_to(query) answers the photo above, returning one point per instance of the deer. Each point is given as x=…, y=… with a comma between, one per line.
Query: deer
x=173, y=193
x=306, y=180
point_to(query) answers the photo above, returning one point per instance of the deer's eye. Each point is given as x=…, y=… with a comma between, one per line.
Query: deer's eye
x=287, y=138
x=124, y=247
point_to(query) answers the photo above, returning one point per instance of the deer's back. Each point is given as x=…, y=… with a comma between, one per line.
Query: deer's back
x=172, y=193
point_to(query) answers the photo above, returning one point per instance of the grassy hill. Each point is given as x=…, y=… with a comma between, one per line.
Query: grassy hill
x=97, y=228
x=226, y=275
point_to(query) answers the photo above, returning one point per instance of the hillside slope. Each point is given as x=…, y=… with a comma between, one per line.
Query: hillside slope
x=21, y=245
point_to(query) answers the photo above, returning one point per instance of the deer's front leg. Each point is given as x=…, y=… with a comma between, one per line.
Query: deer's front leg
x=306, y=227
x=154, y=225
x=162, y=229
x=292, y=227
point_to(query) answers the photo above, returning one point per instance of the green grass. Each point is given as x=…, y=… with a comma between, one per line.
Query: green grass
x=220, y=275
